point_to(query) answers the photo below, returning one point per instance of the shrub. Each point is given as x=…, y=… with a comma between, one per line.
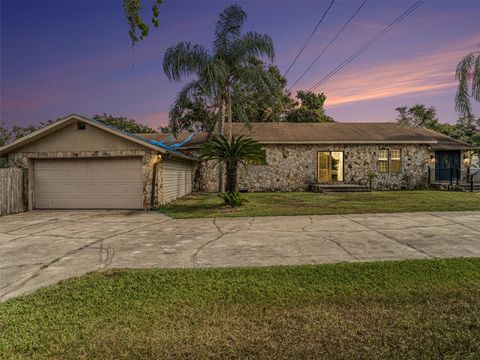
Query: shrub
x=233, y=199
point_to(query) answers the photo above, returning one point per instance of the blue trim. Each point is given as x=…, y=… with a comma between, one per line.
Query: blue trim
x=172, y=148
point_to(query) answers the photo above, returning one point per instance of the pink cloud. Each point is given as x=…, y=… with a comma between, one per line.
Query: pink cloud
x=425, y=73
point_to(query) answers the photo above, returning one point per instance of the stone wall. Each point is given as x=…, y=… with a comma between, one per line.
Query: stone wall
x=150, y=162
x=294, y=168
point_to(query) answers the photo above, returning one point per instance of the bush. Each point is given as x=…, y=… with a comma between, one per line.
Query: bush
x=233, y=199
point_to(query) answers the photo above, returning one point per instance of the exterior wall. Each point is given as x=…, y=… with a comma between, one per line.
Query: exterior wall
x=294, y=168
x=177, y=179
x=69, y=139
x=150, y=160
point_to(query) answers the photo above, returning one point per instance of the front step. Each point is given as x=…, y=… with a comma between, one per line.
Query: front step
x=467, y=187
x=329, y=188
x=458, y=187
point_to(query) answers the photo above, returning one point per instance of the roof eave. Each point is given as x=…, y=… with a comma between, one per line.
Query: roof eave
x=349, y=142
x=71, y=118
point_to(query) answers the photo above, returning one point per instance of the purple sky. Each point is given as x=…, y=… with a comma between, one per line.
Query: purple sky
x=60, y=57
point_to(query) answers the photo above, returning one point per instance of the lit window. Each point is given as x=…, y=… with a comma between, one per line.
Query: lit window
x=396, y=160
x=382, y=162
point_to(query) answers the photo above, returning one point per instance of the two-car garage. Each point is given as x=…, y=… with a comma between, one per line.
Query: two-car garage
x=93, y=183
x=78, y=163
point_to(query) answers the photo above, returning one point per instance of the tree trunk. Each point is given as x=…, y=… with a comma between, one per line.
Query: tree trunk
x=232, y=177
x=230, y=119
x=221, y=167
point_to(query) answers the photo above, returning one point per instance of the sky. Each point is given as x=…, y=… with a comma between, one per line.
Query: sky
x=63, y=57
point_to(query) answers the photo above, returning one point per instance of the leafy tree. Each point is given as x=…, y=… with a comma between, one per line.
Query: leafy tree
x=164, y=129
x=418, y=116
x=309, y=108
x=260, y=106
x=196, y=115
x=467, y=129
x=468, y=76
x=223, y=74
x=138, y=28
x=4, y=135
x=123, y=123
x=239, y=150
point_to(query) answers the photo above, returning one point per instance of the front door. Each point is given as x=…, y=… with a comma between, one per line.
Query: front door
x=447, y=164
x=330, y=166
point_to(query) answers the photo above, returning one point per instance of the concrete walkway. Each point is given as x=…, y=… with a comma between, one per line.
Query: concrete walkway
x=43, y=247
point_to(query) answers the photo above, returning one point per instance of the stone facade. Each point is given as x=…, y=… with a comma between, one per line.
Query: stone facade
x=150, y=162
x=294, y=168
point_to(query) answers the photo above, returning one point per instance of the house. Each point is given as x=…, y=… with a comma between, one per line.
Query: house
x=299, y=155
x=78, y=163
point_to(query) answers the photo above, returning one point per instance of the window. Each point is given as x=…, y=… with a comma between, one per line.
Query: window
x=396, y=161
x=382, y=163
x=81, y=125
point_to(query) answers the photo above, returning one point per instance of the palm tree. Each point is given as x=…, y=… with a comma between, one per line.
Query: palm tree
x=239, y=150
x=224, y=72
x=468, y=76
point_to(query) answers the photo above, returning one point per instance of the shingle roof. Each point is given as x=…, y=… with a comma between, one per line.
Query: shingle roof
x=324, y=133
x=346, y=133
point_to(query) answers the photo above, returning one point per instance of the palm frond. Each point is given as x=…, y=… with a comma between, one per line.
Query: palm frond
x=464, y=75
x=476, y=79
x=214, y=74
x=238, y=150
x=252, y=44
x=228, y=27
x=184, y=59
x=182, y=101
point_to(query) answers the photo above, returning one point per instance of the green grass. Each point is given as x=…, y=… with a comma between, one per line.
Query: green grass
x=415, y=309
x=273, y=204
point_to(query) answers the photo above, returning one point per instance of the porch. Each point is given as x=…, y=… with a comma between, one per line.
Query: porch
x=451, y=172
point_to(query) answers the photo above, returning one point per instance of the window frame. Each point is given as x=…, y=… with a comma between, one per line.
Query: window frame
x=384, y=160
x=399, y=159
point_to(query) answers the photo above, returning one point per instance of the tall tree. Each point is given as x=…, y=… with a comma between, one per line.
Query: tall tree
x=468, y=76
x=196, y=115
x=418, y=115
x=309, y=108
x=222, y=74
x=260, y=106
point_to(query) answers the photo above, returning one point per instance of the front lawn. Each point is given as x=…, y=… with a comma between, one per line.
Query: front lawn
x=307, y=203
x=389, y=310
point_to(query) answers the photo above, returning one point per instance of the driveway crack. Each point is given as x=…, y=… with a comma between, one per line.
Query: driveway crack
x=388, y=236
x=336, y=243
x=453, y=222
x=203, y=246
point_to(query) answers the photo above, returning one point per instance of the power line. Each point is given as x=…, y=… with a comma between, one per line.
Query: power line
x=362, y=49
x=308, y=39
x=329, y=44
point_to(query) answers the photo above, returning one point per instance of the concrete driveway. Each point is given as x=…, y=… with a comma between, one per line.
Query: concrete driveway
x=40, y=248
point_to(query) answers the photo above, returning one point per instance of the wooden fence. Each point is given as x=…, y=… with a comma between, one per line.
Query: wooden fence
x=12, y=191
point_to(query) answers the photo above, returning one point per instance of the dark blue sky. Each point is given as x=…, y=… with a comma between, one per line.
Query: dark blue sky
x=59, y=57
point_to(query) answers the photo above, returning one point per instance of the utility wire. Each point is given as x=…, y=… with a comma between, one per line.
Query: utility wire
x=329, y=44
x=362, y=49
x=308, y=39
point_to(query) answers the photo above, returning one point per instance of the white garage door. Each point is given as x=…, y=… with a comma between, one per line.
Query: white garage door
x=96, y=183
x=177, y=179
